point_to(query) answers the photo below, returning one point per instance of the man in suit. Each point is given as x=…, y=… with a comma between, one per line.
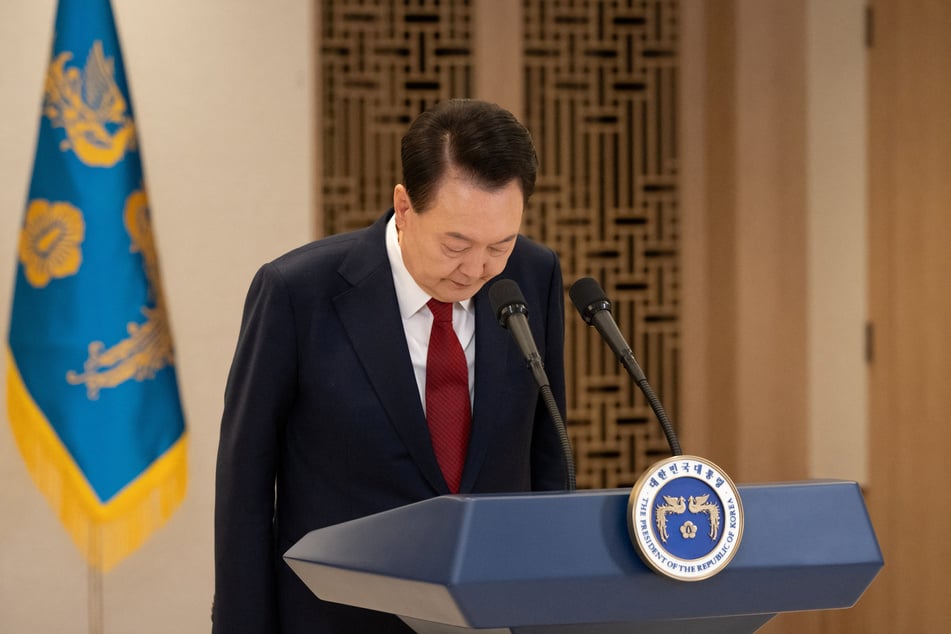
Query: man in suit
x=326, y=407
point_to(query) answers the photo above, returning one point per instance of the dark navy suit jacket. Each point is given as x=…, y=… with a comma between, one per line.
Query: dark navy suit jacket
x=323, y=423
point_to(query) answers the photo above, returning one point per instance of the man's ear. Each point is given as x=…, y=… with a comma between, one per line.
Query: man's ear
x=401, y=204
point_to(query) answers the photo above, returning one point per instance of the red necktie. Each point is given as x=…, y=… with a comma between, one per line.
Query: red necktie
x=448, y=411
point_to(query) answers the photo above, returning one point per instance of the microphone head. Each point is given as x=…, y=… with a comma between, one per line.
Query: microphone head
x=588, y=297
x=506, y=299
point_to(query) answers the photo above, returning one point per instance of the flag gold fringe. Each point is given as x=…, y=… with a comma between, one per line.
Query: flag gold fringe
x=125, y=522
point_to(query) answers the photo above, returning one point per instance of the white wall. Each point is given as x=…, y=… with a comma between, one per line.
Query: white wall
x=224, y=97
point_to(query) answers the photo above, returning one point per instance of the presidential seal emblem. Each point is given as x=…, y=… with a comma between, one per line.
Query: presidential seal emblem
x=685, y=518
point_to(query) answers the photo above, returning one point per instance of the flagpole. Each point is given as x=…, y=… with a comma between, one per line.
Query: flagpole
x=94, y=576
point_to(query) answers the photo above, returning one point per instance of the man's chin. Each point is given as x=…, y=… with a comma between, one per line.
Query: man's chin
x=453, y=292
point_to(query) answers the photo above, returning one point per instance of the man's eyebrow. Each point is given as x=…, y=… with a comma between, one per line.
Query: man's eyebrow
x=465, y=238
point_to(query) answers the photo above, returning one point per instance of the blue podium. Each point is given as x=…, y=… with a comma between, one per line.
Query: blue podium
x=562, y=563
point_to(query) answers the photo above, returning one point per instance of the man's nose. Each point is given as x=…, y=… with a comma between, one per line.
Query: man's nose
x=477, y=265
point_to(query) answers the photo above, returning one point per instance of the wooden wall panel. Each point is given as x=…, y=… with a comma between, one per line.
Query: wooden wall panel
x=771, y=233
x=910, y=307
x=745, y=247
x=710, y=420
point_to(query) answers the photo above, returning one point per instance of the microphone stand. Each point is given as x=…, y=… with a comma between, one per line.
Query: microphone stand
x=555, y=415
x=634, y=370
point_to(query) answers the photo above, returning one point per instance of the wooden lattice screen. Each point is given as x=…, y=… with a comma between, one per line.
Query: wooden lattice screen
x=601, y=102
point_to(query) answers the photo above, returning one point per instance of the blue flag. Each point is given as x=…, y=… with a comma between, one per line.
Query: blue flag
x=91, y=391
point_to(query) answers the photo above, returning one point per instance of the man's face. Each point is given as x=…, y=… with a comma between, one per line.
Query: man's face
x=463, y=240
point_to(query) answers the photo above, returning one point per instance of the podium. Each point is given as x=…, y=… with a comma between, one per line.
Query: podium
x=563, y=563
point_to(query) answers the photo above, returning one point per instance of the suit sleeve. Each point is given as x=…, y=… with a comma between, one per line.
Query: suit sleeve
x=258, y=396
x=548, y=468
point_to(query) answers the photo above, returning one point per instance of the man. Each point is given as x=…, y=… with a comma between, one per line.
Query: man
x=326, y=406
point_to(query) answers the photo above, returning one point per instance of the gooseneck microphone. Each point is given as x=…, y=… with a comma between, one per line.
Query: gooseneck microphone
x=508, y=305
x=589, y=298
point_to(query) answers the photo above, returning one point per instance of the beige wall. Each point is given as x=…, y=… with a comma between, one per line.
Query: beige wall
x=836, y=235
x=223, y=91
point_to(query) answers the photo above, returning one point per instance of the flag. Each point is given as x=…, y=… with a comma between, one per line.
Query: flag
x=92, y=393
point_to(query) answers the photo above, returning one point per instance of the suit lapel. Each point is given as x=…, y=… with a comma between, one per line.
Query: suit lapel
x=380, y=344
x=493, y=356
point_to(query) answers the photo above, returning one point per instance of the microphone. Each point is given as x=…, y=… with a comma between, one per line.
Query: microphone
x=595, y=309
x=508, y=305
x=589, y=298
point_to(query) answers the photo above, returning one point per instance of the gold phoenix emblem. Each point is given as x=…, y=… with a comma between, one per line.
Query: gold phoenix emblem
x=672, y=505
x=677, y=506
x=90, y=107
x=699, y=504
x=148, y=348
